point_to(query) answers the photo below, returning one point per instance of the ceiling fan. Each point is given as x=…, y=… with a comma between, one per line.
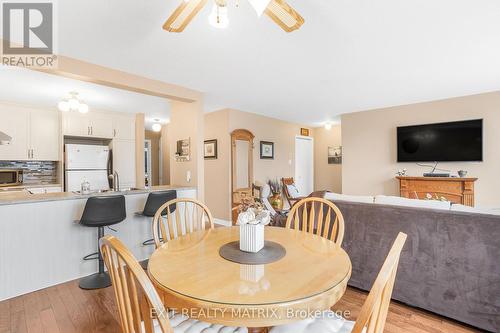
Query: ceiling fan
x=278, y=10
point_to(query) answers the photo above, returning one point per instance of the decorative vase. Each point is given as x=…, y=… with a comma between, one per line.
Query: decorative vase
x=251, y=237
x=276, y=201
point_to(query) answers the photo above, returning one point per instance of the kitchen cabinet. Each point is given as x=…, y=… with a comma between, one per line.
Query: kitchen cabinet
x=101, y=125
x=124, y=162
x=75, y=124
x=44, y=135
x=34, y=132
x=14, y=122
x=124, y=127
x=92, y=124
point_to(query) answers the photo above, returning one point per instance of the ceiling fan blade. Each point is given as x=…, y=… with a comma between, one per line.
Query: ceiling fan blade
x=183, y=14
x=284, y=15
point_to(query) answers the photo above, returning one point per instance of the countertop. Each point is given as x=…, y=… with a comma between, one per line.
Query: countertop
x=14, y=198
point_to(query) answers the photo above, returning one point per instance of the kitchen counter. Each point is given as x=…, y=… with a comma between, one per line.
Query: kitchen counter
x=41, y=245
x=14, y=198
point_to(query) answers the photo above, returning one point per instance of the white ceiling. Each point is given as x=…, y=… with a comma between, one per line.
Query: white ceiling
x=45, y=90
x=350, y=55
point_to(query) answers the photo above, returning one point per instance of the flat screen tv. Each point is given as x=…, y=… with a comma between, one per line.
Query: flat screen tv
x=442, y=142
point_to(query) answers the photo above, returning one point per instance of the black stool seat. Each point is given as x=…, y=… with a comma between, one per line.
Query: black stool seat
x=101, y=212
x=154, y=201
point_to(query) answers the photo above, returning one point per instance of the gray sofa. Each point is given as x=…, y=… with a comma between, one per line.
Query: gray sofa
x=450, y=264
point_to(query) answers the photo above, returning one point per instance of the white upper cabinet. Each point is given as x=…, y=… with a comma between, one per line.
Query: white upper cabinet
x=75, y=124
x=92, y=124
x=14, y=122
x=99, y=125
x=34, y=132
x=44, y=135
x=124, y=127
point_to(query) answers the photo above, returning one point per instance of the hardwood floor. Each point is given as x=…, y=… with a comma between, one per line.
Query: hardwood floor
x=65, y=308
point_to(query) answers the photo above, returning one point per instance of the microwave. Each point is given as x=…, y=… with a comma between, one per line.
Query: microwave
x=11, y=177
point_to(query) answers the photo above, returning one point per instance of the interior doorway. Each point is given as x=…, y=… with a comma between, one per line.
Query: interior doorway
x=304, y=164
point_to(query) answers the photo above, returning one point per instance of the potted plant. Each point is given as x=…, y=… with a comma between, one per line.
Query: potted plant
x=276, y=189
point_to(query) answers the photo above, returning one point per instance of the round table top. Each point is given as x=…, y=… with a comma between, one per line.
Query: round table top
x=190, y=267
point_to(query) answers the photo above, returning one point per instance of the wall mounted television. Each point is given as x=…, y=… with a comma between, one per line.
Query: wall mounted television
x=458, y=141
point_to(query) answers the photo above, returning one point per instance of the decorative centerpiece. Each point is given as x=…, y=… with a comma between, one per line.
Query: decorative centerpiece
x=276, y=189
x=252, y=218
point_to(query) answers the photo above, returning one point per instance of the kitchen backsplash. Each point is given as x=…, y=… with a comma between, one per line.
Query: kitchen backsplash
x=35, y=172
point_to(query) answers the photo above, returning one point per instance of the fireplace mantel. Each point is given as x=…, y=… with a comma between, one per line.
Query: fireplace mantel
x=456, y=190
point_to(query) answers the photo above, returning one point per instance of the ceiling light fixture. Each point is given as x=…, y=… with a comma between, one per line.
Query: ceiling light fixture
x=73, y=103
x=278, y=10
x=328, y=126
x=156, y=126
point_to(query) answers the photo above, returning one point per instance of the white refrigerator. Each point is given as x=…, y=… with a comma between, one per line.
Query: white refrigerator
x=86, y=162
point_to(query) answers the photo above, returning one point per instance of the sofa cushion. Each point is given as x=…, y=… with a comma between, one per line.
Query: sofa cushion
x=352, y=198
x=397, y=201
x=477, y=210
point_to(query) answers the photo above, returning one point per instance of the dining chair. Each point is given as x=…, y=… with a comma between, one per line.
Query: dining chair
x=373, y=314
x=318, y=216
x=183, y=216
x=139, y=306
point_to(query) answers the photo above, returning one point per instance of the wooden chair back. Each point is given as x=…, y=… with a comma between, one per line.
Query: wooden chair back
x=374, y=311
x=135, y=295
x=189, y=215
x=289, y=181
x=318, y=216
x=256, y=192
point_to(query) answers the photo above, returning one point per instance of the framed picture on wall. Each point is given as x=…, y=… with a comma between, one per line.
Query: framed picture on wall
x=335, y=155
x=267, y=150
x=210, y=149
x=304, y=131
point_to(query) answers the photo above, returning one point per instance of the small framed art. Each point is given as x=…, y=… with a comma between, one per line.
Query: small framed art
x=266, y=150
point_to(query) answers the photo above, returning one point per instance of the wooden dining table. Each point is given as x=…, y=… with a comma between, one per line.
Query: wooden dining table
x=195, y=280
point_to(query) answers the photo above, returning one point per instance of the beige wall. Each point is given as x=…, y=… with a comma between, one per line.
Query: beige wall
x=326, y=176
x=369, y=142
x=280, y=132
x=186, y=121
x=219, y=125
x=218, y=171
x=165, y=156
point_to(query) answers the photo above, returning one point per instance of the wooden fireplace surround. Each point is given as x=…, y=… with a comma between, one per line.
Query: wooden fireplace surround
x=456, y=190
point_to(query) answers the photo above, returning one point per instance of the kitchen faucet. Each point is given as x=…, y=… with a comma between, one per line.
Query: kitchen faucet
x=116, y=181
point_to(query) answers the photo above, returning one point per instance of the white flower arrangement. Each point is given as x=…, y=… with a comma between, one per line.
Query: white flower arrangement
x=252, y=222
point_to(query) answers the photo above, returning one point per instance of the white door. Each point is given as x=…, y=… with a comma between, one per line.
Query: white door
x=124, y=162
x=86, y=157
x=44, y=135
x=14, y=123
x=304, y=165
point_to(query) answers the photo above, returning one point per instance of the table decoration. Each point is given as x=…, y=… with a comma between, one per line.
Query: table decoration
x=252, y=219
